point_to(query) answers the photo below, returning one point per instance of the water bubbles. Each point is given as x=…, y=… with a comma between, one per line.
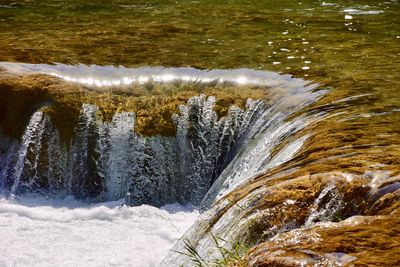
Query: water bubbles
x=350, y=10
x=168, y=77
x=305, y=68
x=241, y=80
x=348, y=17
x=285, y=32
x=327, y=4
x=143, y=79
x=276, y=63
x=289, y=201
x=126, y=80
x=116, y=82
x=270, y=43
x=362, y=12
x=290, y=57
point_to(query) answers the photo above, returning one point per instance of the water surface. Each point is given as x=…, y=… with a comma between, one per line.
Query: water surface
x=351, y=47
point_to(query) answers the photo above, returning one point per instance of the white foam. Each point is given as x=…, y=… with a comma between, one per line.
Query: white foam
x=37, y=232
x=354, y=11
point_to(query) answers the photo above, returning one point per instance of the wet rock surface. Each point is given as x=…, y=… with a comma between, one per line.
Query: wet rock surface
x=328, y=219
x=22, y=94
x=322, y=175
x=322, y=207
x=357, y=241
x=150, y=135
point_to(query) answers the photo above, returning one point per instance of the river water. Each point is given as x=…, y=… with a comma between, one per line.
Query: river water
x=342, y=115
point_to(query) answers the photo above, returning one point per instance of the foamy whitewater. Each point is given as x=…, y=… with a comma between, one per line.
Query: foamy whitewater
x=207, y=158
x=43, y=232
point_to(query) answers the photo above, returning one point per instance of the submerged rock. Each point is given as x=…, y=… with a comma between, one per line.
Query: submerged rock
x=151, y=143
x=23, y=93
x=281, y=182
x=286, y=219
x=149, y=135
x=357, y=241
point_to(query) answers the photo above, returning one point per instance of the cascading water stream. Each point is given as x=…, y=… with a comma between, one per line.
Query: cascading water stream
x=7, y=160
x=119, y=158
x=38, y=162
x=207, y=158
x=84, y=173
x=106, y=165
x=31, y=138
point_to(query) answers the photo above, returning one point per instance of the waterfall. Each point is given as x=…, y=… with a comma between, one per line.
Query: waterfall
x=57, y=159
x=205, y=144
x=108, y=160
x=85, y=177
x=38, y=162
x=120, y=155
x=325, y=206
x=8, y=148
x=31, y=142
x=208, y=157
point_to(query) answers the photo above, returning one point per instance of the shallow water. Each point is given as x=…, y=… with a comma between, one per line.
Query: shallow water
x=351, y=50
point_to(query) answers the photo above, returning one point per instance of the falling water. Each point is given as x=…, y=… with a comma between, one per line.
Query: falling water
x=207, y=158
x=31, y=141
x=296, y=175
x=120, y=157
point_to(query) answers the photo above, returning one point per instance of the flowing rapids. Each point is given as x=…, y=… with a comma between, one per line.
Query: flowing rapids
x=199, y=133
x=109, y=160
x=53, y=232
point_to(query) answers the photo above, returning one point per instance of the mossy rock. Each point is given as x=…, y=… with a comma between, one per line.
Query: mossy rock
x=21, y=95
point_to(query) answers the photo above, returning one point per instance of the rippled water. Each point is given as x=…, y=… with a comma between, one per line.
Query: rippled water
x=350, y=49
